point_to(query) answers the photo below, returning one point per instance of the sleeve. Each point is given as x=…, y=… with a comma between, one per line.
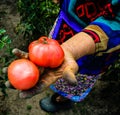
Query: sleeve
x=115, y=2
x=99, y=36
x=71, y=11
x=106, y=31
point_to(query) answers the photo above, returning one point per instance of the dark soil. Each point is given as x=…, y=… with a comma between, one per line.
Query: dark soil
x=104, y=99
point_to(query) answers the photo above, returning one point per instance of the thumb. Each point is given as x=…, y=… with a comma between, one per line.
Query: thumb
x=69, y=73
x=19, y=53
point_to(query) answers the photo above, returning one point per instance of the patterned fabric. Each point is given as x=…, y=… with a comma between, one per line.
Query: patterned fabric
x=98, y=17
x=89, y=10
x=99, y=36
x=75, y=93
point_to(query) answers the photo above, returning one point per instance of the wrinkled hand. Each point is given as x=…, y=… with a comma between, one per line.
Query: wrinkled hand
x=67, y=70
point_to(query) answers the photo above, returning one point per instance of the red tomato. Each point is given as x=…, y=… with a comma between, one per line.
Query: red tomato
x=46, y=52
x=23, y=74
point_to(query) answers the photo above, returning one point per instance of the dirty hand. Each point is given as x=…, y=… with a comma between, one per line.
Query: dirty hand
x=67, y=70
x=79, y=45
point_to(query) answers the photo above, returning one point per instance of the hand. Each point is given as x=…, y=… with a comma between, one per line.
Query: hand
x=67, y=70
x=79, y=45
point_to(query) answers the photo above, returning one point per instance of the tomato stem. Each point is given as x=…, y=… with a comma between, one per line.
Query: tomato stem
x=45, y=40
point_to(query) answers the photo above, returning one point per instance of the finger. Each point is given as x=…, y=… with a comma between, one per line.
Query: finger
x=4, y=70
x=69, y=74
x=19, y=53
x=45, y=81
x=40, y=87
x=41, y=69
x=9, y=85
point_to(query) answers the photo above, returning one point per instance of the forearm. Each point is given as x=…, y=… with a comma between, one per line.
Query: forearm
x=79, y=45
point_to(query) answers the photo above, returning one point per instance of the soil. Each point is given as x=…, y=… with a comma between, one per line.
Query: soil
x=103, y=99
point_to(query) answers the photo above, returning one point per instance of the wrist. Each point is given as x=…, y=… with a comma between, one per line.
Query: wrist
x=79, y=45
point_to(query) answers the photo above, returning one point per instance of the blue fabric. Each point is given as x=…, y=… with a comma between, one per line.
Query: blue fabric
x=112, y=33
x=63, y=17
x=89, y=64
x=66, y=27
x=71, y=97
x=75, y=93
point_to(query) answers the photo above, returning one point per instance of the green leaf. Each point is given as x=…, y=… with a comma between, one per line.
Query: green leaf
x=8, y=41
x=2, y=31
x=5, y=38
x=1, y=45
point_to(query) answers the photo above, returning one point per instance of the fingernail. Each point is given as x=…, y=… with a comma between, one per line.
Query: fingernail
x=8, y=85
x=4, y=70
x=15, y=50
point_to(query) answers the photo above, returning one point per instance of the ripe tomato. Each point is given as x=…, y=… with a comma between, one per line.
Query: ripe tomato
x=46, y=52
x=23, y=74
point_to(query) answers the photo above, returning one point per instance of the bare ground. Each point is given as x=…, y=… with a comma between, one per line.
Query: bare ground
x=103, y=100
